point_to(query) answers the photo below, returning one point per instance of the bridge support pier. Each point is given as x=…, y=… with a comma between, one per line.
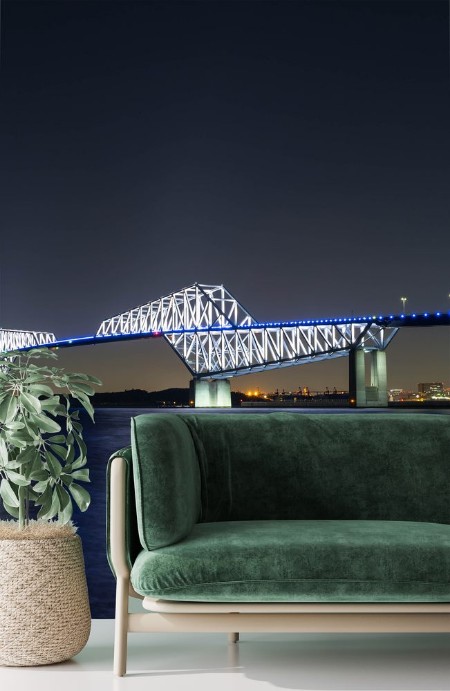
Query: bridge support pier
x=357, y=378
x=375, y=395
x=211, y=393
x=378, y=378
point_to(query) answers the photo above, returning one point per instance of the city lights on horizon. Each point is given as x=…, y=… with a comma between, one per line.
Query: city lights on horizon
x=425, y=392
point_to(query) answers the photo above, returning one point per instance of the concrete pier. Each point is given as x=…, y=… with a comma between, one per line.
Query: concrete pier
x=378, y=376
x=211, y=393
x=375, y=395
x=357, y=379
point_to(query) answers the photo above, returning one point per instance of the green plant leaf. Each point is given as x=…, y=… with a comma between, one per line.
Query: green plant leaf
x=51, y=404
x=35, y=374
x=40, y=352
x=60, y=450
x=59, y=410
x=52, y=510
x=82, y=387
x=15, y=425
x=66, y=478
x=64, y=497
x=65, y=515
x=65, y=503
x=13, y=464
x=61, y=383
x=80, y=462
x=10, y=354
x=82, y=475
x=74, y=376
x=85, y=402
x=39, y=475
x=39, y=389
x=57, y=439
x=28, y=455
x=32, y=495
x=46, y=502
x=8, y=495
x=37, y=463
x=3, y=452
x=17, y=478
x=8, y=409
x=41, y=488
x=53, y=464
x=20, y=435
x=25, y=458
x=80, y=442
x=81, y=496
x=30, y=402
x=70, y=454
x=44, y=423
x=14, y=512
x=18, y=443
x=55, y=507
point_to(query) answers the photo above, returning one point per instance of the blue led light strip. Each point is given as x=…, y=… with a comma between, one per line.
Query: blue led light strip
x=400, y=320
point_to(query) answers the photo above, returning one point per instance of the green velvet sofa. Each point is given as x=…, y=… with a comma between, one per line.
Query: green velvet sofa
x=281, y=522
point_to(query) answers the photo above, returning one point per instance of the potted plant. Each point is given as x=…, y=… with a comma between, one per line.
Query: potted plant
x=44, y=613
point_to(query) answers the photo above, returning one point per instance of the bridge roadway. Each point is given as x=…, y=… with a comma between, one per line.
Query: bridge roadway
x=391, y=321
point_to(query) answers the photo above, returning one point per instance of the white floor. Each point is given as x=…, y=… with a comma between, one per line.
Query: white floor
x=201, y=662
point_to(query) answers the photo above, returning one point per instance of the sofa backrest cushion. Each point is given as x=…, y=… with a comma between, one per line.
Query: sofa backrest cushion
x=380, y=466
x=166, y=479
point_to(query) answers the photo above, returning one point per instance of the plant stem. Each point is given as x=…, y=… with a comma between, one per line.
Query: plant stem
x=22, y=511
x=27, y=506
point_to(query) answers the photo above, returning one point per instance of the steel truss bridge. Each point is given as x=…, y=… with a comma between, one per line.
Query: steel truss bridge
x=217, y=338
x=11, y=339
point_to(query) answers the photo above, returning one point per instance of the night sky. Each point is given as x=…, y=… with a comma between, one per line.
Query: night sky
x=297, y=152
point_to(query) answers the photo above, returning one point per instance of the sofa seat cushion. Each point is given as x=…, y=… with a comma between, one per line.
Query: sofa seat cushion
x=301, y=561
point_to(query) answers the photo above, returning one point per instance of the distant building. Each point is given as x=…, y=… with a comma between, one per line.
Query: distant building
x=431, y=389
x=402, y=395
x=396, y=395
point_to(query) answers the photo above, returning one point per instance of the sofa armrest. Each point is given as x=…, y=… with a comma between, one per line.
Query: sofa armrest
x=123, y=543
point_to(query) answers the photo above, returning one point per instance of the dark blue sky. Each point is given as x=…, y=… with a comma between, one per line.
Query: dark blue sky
x=298, y=152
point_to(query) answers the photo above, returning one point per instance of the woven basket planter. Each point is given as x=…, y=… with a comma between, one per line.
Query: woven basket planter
x=44, y=605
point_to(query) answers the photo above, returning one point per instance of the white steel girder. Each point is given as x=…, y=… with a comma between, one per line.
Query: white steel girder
x=12, y=339
x=227, y=352
x=196, y=307
x=216, y=337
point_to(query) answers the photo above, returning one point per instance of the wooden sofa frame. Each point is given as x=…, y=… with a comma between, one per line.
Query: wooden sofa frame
x=171, y=616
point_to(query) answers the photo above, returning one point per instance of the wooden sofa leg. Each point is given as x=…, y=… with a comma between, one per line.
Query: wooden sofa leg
x=121, y=628
x=233, y=637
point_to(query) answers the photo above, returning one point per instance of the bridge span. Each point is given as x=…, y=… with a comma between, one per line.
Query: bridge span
x=217, y=338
